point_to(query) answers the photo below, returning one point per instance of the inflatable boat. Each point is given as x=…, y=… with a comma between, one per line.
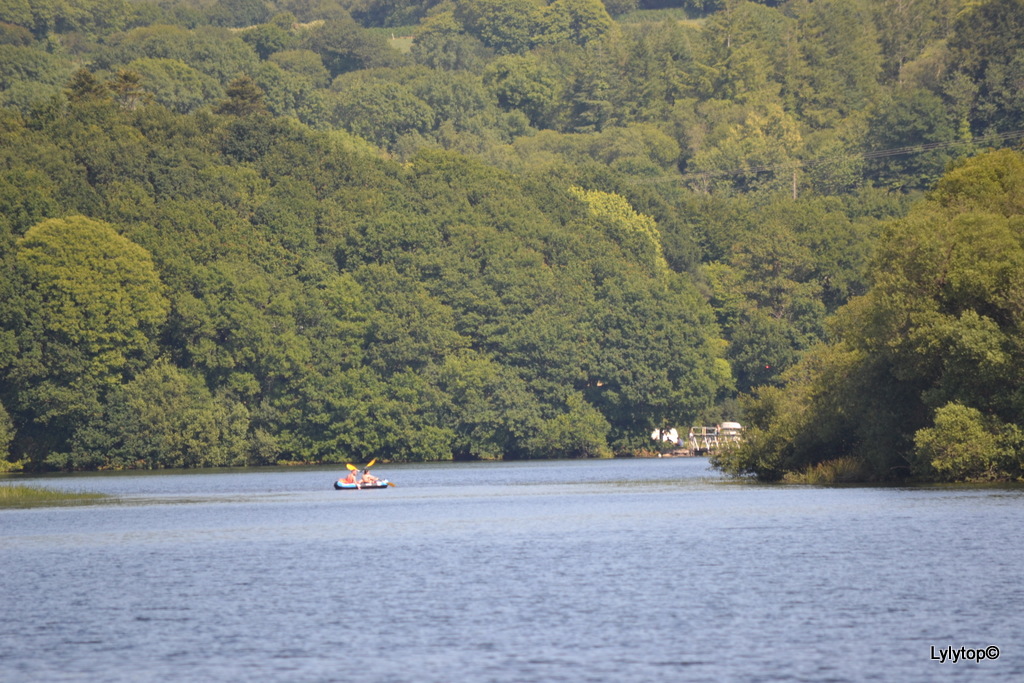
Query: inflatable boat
x=382, y=484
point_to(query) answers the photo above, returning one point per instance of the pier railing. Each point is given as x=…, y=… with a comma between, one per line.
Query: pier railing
x=706, y=439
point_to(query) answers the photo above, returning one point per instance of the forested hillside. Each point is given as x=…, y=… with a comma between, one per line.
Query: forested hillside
x=246, y=232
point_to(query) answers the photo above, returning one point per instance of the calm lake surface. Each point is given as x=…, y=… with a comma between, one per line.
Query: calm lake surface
x=617, y=570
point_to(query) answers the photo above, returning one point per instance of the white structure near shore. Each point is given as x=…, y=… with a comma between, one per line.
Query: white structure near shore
x=702, y=439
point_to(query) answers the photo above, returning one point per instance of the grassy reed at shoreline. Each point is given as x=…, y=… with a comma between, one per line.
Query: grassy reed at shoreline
x=838, y=471
x=31, y=496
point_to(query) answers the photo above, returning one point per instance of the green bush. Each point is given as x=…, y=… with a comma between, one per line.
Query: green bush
x=959, y=447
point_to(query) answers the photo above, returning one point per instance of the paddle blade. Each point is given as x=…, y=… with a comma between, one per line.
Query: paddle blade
x=391, y=483
x=370, y=464
x=351, y=466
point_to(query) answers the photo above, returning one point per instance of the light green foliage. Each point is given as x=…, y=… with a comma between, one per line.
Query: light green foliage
x=757, y=153
x=636, y=233
x=96, y=289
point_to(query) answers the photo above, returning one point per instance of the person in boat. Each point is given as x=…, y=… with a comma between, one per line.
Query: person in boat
x=351, y=478
x=369, y=478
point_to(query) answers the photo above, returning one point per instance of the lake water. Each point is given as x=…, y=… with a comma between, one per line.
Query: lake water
x=614, y=570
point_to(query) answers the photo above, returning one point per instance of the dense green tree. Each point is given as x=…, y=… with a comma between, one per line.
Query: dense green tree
x=215, y=52
x=305, y=63
x=409, y=329
x=962, y=444
x=17, y=12
x=840, y=45
x=239, y=13
x=755, y=154
x=579, y=431
x=587, y=106
x=490, y=409
x=910, y=118
x=508, y=26
x=163, y=418
x=345, y=46
x=85, y=308
x=20, y=63
x=6, y=436
x=753, y=51
x=576, y=21
x=907, y=27
x=267, y=39
x=933, y=348
x=175, y=84
x=92, y=17
x=525, y=84
x=26, y=198
x=245, y=98
x=380, y=110
x=442, y=44
x=389, y=12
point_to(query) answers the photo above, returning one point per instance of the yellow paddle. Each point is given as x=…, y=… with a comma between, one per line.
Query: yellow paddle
x=368, y=465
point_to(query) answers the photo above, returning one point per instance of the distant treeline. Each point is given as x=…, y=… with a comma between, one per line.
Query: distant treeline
x=247, y=232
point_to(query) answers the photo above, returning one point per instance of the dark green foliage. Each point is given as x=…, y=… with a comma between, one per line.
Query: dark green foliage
x=923, y=376
x=535, y=232
x=912, y=117
x=345, y=46
x=83, y=308
x=986, y=46
x=465, y=321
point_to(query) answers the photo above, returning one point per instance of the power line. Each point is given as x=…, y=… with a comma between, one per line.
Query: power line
x=873, y=154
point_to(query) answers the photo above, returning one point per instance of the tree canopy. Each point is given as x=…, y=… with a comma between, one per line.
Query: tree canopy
x=244, y=232
x=922, y=376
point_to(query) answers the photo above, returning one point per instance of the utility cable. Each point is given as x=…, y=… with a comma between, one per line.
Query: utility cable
x=873, y=154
